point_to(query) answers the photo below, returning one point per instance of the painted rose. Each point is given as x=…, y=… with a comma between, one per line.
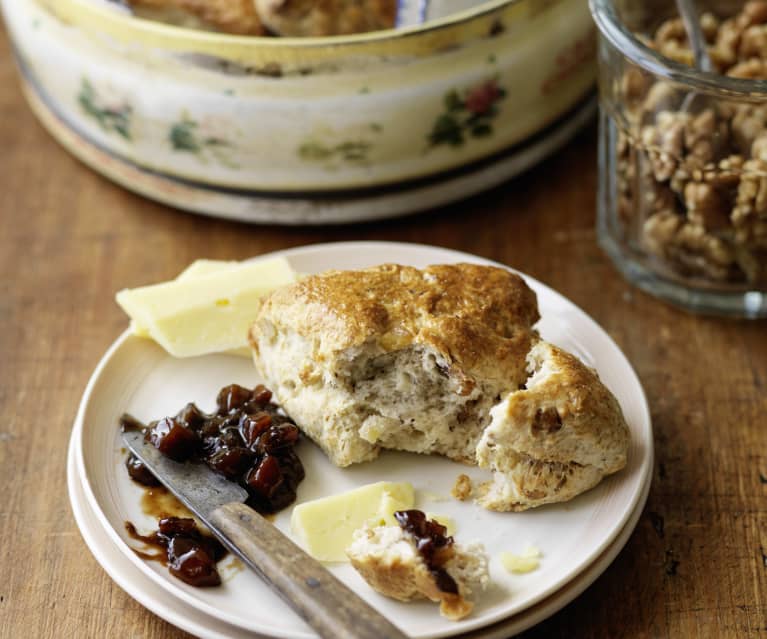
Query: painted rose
x=481, y=98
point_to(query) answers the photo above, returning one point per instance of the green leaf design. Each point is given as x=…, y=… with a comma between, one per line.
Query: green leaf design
x=109, y=119
x=481, y=130
x=182, y=137
x=447, y=130
x=453, y=102
x=353, y=151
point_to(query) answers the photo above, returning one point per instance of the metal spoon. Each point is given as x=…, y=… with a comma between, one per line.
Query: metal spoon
x=412, y=12
x=689, y=13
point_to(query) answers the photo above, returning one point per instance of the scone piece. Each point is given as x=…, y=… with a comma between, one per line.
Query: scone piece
x=237, y=17
x=300, y=18
x=443, y=361
x=396, y=357
x=554, y=439
x=388, y=559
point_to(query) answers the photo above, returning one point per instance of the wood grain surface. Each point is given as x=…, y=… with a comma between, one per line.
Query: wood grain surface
x=696, y=566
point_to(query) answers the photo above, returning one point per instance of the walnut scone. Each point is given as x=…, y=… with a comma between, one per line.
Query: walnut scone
x=238, y=17
x=301, y=18
x=415, y=560
x=424, y=360
x=394, y=357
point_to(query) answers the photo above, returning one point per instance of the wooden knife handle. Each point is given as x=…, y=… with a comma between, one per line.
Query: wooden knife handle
x=328, y=606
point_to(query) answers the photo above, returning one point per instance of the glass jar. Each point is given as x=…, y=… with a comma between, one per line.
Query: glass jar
x=682, y=204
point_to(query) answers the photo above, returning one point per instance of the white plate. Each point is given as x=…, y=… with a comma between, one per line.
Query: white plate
x=138, y=377
x=164, y=604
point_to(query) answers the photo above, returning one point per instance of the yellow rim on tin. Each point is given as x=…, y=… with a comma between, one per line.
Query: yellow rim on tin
x=445, y=33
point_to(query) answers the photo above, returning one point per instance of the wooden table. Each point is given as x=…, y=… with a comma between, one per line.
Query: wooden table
x=696, y=566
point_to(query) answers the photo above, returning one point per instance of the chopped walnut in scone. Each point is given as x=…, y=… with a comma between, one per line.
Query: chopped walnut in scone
x=416, y=560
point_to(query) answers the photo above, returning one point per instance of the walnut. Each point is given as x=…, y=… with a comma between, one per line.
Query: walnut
x=634, y=85
x=751, y=200
x=671, y=30
x=700, y=135
x=462, y=489
x=753, y=42
x=706, y=206
x=709, y=24
x=751, y=69
x=661, y=97
x=759, y=147
x=747, y=124
x=659, y=231
x=688, y=247
x=675, y=50
x=724, y=52
x=726, y=174
x=665, y=143
x=755, y=12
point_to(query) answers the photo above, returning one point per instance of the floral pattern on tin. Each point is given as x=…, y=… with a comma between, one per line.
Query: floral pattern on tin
x=114, y=115
x=356, y=151
x=201, y=139
x=351, y=151
x=467, y=114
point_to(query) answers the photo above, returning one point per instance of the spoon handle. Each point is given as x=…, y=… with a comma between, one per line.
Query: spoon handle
x=689, y=13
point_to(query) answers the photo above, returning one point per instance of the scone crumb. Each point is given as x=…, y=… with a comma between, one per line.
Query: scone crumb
x=528, y=561
x=462, y=489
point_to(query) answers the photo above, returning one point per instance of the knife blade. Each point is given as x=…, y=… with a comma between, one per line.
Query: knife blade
x=328, y=606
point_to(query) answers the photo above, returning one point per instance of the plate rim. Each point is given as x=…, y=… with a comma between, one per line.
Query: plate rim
x=644, y=469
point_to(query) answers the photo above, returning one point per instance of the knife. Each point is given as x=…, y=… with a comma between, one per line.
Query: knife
x=327, y=605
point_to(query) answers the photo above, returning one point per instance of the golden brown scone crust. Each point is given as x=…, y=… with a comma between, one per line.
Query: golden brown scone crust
x=302, y=18
x=479, y=318
x=442, y=360
x=238, y=17
x=556, y=438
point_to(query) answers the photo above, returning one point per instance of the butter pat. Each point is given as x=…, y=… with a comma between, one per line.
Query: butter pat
x=324, y=527
x=207, y=311
x=528, y=561
x=198, y=268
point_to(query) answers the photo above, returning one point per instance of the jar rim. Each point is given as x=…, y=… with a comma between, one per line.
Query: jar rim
x=623, y=39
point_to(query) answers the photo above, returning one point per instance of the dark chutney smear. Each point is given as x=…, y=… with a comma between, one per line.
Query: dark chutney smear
x=189, y=555
x=433, y=544
x=248, y=440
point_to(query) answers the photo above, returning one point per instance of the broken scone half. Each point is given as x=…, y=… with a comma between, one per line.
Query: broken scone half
x=443, y=360
x=416, y=560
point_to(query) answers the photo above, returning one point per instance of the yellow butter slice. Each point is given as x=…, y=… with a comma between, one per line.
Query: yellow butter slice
x=207, y=311
x=324, y=527
x=198, y=268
